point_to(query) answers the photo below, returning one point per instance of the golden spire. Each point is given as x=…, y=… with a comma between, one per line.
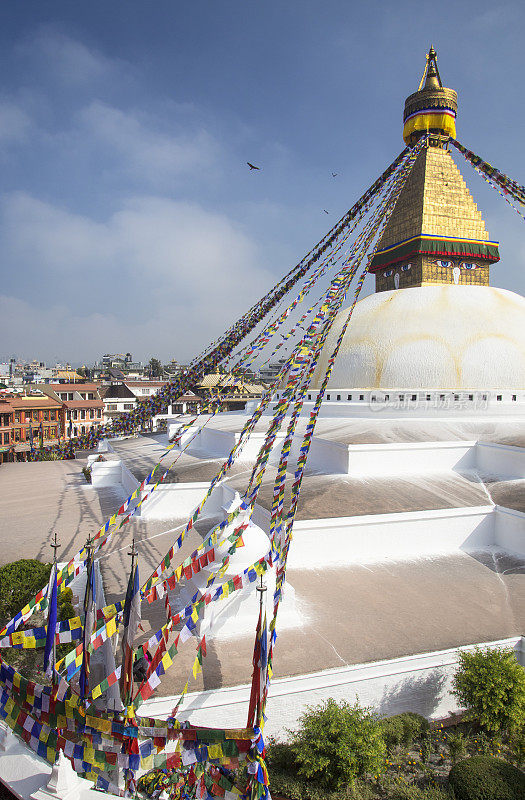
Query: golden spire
x=431, y=72
x=432, y=109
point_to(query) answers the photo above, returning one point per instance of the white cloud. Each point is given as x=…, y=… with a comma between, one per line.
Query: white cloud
x=146, y=152
x=69, y=60
x=157, y=276
x=15, y=122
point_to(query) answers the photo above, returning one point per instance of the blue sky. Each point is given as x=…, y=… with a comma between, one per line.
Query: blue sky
x=128, y=217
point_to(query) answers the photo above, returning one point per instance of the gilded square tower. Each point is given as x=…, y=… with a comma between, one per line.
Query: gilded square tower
x=436, y=233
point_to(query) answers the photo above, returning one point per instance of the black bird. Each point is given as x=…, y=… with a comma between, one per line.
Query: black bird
x=335, y=174
x=325, y=211
x=252, y=166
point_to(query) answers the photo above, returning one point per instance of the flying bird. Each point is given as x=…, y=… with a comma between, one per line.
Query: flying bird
x=252, y=166
x=325, y=211
x=335, y=174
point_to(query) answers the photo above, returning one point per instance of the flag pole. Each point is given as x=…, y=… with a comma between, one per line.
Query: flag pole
x=133, y=553
x=262, y=607
x=90, y=547
x=55, y=545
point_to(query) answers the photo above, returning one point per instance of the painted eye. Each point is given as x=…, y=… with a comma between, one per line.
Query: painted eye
x=388, y=273
x=445, y=264
x=468, y=265
x=406, y=267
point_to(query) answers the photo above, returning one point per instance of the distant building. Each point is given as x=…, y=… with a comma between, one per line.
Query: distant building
x=120, y=361
x=234, y=390
x=82, y=406
x=269, y=372
x=26, y=421
x=118, y=399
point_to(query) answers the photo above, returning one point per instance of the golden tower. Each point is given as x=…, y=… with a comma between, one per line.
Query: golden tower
x=436, y=233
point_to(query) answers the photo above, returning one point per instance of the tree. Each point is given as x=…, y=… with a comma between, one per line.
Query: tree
x=490, y=684
x=154, y=368
x=336, y=743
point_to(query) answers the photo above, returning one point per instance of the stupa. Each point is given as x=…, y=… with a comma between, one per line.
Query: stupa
x=434, y=323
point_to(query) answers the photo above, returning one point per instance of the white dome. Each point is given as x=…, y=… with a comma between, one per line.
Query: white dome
x=430, y=337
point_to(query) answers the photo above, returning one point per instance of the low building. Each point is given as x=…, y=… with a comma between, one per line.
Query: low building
x=6, y=429
x=117, y=400
x=28, y=421
x=234, y=390
x=188, y=403
x=81, y=404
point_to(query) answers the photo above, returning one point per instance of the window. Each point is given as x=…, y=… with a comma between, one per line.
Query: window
x=111, y=407
x=373, y=398
x=401, y=396
x=328, y=397
x=309, y=396
x=99, y=413
x=128, y=406
x=514, y=397
x=63, y=395
x=35, y=416
x=69, y=396
x=483, y=396
x=361, y=397
x=414, y=397
x=91, y=413
x=18, y=435
x=471, y=397
x=387, y=397
x=6, y=438
x=75, y=414
x=499, y=397
x=456, y=397
x=83, y=414
x=348, y=396
x=338, y=396
x=429, y=397
x=83, y=428
x=441, y=396
x=91, y=396
x=17, y=416
x=46, y=415
x=52, y=415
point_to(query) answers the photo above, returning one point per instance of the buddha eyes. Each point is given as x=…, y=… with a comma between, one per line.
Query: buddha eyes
x=406, y=267
x=388, y=273
x=463, y=264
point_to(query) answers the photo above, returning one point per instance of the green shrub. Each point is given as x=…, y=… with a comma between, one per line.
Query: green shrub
x=335, y=743
x=403, y=728
x=414, y=726
x=65, y=597
x=486, y=778
x=66, y=611
x=392, y=730
x=20, y=581
x=516, y=746
x=491, y=685
x=456, y=746
x=279, y=755
x=400, y=790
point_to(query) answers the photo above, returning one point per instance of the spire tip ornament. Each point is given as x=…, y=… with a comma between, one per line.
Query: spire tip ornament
x=432, y=109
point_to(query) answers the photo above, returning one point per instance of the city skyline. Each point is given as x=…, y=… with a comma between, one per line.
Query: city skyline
x=129, y=218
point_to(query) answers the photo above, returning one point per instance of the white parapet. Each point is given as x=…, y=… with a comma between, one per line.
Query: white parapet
x=419, y=683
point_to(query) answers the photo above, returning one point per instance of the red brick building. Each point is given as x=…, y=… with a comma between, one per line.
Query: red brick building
x=25, y=419
x=81, y=404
